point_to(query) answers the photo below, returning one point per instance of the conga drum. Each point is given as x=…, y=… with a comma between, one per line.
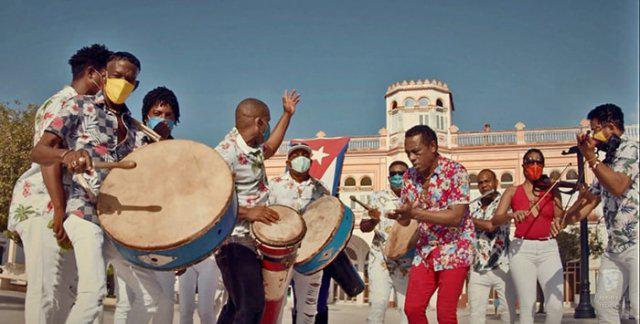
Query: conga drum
x=345, y=275
x=172, y=210
x=329, y=228
x=277, y=243
x=401, y=244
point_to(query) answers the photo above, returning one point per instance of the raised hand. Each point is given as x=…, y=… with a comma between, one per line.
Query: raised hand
x=290, y=100
x=374, y=214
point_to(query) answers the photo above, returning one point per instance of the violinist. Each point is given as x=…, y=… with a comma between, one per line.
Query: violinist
x=533, y=253
x=616, y=186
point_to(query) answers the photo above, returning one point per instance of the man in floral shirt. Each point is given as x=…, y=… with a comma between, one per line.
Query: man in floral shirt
x=491, y=266
x=244, y=149
x=616, y=185
x=436, y=194
x=296, y=188
x=385, y=274
x=96, y=127
x=50, y=269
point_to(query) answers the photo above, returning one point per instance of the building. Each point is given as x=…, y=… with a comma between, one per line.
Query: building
x=430, y=102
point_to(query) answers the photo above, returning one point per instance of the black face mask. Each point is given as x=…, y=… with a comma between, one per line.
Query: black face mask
x=610, y=147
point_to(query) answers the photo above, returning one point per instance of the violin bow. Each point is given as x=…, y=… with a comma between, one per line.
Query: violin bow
x=553, y=185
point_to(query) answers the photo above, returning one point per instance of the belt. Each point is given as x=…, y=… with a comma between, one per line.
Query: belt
x=535, y=238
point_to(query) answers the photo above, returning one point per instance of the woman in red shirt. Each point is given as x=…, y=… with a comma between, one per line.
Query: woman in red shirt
x=533, y=253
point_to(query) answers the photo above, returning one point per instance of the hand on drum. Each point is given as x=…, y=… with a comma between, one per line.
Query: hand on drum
x=163, y=130
x=402, y=213
x=262, y=214
x=374, y=213
x=77, y=161
x=290, y=100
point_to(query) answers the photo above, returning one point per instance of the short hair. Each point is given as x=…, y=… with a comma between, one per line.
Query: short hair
x=95, y=56
x=157, y=96
x=530, y=151
x=493, y=174
x=427, y=134
x=126, y=56
x=608, y=113
x=398, y=162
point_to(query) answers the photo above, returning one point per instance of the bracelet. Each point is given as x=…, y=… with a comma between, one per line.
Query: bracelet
x=65, y=154
x=591, y=160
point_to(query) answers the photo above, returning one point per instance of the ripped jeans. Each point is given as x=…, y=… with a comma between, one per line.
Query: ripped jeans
x=305, y=291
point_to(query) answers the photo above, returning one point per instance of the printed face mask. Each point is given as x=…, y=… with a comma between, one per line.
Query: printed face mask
x=301, y=164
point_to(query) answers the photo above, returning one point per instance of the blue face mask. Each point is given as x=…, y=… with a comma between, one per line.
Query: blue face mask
x=301, y=164
x=396, y=181
x=267, y=133
x=154, y=121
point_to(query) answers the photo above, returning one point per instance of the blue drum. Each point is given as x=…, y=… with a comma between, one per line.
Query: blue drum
x=329, y=228
x=173, y=209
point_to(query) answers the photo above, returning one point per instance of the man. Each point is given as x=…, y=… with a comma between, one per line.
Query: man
x=96, y=127
x=384, y=274
x=160, y=112
x=491, y=266
x=297, y=189
x=50, y=269
x=244, y=149
x=616, y=185
x=436, y=194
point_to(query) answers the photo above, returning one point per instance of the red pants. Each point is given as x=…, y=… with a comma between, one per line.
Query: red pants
x=423, y=282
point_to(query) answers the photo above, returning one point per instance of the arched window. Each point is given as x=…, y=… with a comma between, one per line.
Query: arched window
x=572, y=175
x=366, y=181
x=473, y=180
x=409, y=102
x=423, y=102
x=350, y=182
x=439, y=103
x=506, y=179
x=554, y=174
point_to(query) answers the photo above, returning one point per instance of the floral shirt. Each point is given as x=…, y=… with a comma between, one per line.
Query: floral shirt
x=85, y=123
x=448, y=186
x=491, y=247
x=621, y=213
x=284, y=190
x=247, y=165
x=385, y=201
x=30, y=197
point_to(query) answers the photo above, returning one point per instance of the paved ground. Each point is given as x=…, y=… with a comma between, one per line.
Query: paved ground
x=12, y=312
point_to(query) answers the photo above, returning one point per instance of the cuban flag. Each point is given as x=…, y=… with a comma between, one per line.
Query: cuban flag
x=327, y=157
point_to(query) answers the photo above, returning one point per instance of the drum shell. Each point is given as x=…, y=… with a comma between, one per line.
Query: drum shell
x=190, y=252
x=330, y=250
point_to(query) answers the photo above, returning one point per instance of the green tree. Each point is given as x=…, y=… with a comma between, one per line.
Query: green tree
x=569, y=244
x=16, y=127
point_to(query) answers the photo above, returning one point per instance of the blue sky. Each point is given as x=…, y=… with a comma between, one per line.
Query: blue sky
x=542, y=62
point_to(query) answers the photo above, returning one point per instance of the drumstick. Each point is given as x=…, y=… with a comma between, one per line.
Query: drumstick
x=365, y=206
x=148, y=131
x=114, y=165
x=550, y=188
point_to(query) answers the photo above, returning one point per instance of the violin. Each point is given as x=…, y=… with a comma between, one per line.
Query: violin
x=545, y=182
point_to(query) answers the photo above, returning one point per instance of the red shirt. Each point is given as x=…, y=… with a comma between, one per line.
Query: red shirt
x=533, y=227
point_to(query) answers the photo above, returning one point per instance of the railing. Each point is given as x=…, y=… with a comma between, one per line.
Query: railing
x=486, y=138
x=551, y=136
x=356, y=144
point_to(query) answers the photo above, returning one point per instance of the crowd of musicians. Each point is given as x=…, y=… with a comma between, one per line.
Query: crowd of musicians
x=459, y=240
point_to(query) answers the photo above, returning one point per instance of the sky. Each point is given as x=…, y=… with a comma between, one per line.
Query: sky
x=546, y=63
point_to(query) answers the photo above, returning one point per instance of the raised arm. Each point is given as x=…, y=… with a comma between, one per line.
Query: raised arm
x=289, y=102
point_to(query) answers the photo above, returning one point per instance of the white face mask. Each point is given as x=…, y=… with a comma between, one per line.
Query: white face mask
x=301, y=164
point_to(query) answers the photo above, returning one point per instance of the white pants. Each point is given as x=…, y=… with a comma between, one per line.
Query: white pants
x=125, y=296
x=380, y=284
x=306, y=289
x=480, y=284
x=91, y=250
x=617, y=272
x=167, y=280
x=537, y=260
x=204, y=276
x=51, y=273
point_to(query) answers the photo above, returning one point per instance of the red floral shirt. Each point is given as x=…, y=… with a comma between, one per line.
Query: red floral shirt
x=449, y=185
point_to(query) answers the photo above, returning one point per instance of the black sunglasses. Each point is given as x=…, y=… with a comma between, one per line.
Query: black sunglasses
x=532, y=161
x=392, y=173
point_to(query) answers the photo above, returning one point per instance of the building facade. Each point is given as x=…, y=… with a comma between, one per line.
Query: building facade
x=430, y=102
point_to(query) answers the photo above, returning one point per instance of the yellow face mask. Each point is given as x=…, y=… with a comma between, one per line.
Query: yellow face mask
x=118, y=90
x=599, y=136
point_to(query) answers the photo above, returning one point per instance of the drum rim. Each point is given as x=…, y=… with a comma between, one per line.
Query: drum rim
x=287, y=244
x=196, y=235
x=333, y=232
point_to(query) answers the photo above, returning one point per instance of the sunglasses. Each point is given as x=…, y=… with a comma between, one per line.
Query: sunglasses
x=392, y=173
x=532, y=161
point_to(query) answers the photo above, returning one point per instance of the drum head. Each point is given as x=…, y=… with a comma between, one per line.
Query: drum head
x=322, y=217
x=287, y=231
x=179, y=190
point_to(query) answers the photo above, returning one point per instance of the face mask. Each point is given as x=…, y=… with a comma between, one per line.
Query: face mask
x=118, y=90
x=301, y=164
x=610, y=147
x=533, y=172
x=599, y=136
x=154, y=121
x=395, y=181
x=266, y=133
